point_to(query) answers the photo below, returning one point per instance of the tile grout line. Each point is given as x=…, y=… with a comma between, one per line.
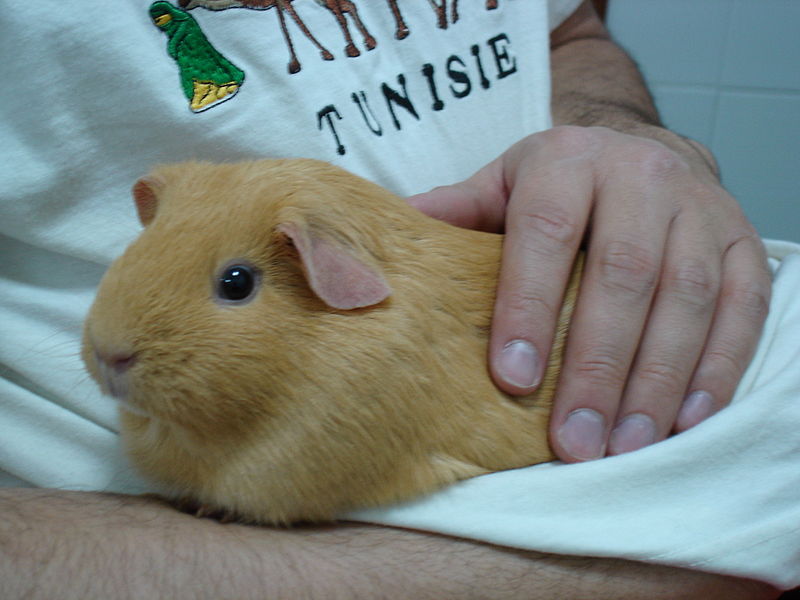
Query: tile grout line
x=730, y=7
x=739, y=89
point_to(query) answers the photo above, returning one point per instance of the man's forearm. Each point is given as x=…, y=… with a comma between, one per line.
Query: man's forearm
x=596, y=83
x=87, y=545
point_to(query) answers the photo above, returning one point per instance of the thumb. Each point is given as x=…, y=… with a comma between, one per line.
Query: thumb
x=475, y=203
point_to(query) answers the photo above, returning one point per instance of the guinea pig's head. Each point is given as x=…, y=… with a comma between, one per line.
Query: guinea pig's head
x=221, y=294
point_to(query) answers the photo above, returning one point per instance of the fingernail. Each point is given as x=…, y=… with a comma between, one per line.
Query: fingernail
x=697, y=407
x=583, y=434
x=519, y=364
x=634, y=431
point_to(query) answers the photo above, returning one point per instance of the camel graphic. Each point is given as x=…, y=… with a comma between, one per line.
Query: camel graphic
x=340, y=9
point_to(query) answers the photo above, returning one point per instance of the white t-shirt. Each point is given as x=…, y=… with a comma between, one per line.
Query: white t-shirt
x=102, y=93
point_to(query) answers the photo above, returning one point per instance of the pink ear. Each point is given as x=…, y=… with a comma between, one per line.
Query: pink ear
x=146, y=198
x=336, y=274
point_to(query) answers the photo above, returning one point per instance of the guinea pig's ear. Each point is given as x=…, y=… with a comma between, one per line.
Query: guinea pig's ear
x=145, y=196
x=336, y=274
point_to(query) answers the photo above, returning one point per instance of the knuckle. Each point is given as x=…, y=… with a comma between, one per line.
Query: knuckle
x=706, y=195
x=528, y=302
x=750, y=299
x=553, y=223
x=603, y=367
x=656, y=161
x=570, y=140
x=691, y=281
x=724, y=362
x=661, y=376
x=629, y=267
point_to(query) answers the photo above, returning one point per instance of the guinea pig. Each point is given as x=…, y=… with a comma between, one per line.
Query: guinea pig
x=289, y=341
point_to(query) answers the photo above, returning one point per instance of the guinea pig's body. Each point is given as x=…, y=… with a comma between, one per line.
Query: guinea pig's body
x=355, y=372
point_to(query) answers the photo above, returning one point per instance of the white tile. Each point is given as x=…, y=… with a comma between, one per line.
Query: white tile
x=757, y=142
x=675, y=41
x=687, y=110
x=764, y=45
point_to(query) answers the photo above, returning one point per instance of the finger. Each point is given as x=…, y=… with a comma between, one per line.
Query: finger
x=475, y=203
x=545, y=219
x=675, y=335
x=631, y=223
x=741, y=311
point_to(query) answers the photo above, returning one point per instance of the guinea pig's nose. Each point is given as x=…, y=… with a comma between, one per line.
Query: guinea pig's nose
x=118, y=362
x=121, y=363
x=112, y=372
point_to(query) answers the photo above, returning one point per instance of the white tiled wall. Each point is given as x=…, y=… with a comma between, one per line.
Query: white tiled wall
x=727, y=73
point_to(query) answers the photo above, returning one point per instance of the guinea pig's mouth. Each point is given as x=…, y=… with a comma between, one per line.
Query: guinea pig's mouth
x=118, y=386
x=115, y=380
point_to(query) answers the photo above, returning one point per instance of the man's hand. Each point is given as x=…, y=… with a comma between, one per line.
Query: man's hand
x=674, y=293
x=675, y=288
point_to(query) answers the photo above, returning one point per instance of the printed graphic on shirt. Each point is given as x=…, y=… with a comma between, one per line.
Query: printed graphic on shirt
x=207, y=77
x=340, y=10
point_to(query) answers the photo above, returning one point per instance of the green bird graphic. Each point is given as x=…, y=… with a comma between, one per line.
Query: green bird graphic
x=207, y=77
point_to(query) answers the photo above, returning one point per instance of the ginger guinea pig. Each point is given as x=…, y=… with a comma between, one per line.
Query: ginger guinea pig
x=289, y=341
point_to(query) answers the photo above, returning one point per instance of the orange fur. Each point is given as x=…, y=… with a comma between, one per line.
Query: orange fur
x=283, y=408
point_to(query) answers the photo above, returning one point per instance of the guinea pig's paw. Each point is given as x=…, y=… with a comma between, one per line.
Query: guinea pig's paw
x=194, y=507
x=223, y=515
x=202, y=510
x=206, y=511
x=186, y=505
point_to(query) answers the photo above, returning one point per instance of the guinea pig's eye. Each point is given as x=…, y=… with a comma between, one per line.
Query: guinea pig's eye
x=236, y=283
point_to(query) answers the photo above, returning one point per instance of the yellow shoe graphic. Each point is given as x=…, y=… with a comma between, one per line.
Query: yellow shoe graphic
x=207, y=94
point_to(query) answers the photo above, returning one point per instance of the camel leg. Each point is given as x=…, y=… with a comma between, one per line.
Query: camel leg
x=326, y=55
x=402, y=29
x=350, y=8
x=294, y=63
x=334, y=6
x=441, y=13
